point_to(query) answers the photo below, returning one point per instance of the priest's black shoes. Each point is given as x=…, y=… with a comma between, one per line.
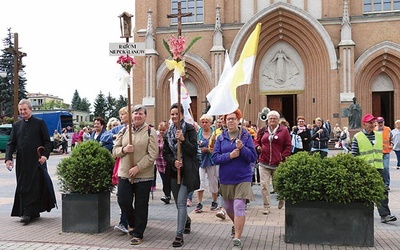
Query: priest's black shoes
x=25, y=219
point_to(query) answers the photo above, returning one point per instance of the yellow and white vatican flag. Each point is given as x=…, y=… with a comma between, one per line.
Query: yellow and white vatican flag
x=223, y=97
x=185, y=98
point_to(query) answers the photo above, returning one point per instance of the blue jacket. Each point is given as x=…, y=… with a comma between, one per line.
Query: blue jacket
x=237, y=170
x=105, y=138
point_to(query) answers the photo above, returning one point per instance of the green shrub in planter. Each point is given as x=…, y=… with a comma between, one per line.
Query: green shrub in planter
x=87, y=170
x=342, y=178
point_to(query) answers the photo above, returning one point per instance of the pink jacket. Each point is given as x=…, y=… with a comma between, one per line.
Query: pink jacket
x=75, y=138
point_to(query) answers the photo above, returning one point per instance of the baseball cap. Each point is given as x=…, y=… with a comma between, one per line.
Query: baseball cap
x=368, y=118
x=380, y=119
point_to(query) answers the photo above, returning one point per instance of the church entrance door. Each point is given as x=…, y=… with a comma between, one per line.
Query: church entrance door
x=286, y=105
x=382, y=105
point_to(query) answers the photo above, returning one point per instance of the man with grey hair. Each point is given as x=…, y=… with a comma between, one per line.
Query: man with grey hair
x=27, y=135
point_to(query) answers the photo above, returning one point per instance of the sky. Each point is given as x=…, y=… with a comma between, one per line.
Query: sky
x=67, y=44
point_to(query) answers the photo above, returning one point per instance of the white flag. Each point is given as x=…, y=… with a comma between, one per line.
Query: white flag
x=218, y=95
x=185, y=98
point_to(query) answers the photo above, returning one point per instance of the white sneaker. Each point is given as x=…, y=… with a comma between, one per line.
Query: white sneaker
x=237, y=244
x=121, y=227
x=266, y=211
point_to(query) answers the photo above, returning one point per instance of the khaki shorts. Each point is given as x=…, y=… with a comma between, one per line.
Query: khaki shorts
x=241, y=190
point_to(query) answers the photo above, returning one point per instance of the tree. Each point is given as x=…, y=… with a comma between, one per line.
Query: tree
x=121, y=102
x=84, y=105
x=78, y=103
x=100, y=106
x=54, y=104
x=7, y=83
x=76, y=100
x=108, y=107
x=111, y=107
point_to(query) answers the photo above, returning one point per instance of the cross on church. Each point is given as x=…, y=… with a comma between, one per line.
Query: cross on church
x=179, y=15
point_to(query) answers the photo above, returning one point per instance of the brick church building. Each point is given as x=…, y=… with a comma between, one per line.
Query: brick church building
x=314, y=56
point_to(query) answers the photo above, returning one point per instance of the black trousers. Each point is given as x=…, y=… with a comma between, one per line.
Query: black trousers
x=138, y=194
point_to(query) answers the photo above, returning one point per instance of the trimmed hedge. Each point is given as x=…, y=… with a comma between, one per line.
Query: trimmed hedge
x=87, y=170
x=342, y=178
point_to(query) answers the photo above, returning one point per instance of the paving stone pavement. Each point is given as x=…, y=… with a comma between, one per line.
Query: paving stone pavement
x=208, y=232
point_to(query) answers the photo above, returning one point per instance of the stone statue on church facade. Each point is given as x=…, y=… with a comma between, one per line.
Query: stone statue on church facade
x=281, y=69
x=354, y=115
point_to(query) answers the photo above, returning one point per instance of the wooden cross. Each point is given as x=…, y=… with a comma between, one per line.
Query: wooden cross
x=179, y=15
x=17, y=66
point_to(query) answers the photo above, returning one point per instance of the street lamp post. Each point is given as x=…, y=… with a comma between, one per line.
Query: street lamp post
x=126, y=29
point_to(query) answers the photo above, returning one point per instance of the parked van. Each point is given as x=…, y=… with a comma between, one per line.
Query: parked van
x=5, y=131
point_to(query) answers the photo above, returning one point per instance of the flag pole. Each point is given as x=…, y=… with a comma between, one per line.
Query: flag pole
x=178, y=127
x=244, y=110
x=129, y=127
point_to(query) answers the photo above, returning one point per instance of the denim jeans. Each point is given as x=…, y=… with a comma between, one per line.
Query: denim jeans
x=386, y=174
x=123, y=219
x=398, y=157
x=180, y=193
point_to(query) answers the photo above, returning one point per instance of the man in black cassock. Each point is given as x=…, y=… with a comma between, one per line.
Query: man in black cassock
x=26, y=136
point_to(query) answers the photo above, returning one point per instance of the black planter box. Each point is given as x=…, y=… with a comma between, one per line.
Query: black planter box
x=317, y=222
x=85, y=213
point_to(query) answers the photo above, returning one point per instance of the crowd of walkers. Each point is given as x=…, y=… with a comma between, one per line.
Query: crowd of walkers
x=231, y=155
x=225, y=154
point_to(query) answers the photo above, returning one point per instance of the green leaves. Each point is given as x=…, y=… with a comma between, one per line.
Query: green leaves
x=342, y=178
x=191, y=44
x=167, y=47
x=87, y=170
